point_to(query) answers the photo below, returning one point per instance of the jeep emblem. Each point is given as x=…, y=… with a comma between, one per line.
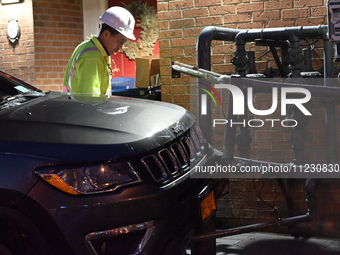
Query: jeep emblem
x=178, y=129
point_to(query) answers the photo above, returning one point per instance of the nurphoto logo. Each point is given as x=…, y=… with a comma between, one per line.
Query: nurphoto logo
x=238, y=104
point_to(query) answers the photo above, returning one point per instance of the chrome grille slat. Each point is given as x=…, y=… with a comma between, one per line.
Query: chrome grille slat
x=169, y=161
x=180, y=155
x=155, y=168
x=174, y=160
x=188, y=148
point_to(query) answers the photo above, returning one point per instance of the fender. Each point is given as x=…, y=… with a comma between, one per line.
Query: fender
x=37, y=226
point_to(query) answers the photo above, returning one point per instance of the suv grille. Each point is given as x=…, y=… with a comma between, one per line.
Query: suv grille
x=174, y=160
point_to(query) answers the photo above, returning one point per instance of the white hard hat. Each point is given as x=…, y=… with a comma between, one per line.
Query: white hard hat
x=120, y=19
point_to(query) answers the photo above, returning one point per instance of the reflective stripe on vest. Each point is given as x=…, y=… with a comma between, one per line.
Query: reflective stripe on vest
x=73, y=69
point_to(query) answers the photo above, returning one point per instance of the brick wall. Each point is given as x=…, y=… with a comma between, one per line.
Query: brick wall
x=181, y=21
x=248, y=201
x=50, y=30
x=18, y=58
x=58, y=29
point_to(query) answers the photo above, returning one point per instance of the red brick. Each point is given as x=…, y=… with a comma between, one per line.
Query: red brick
x=163, y=25
x=319, y=11
x=218, y=59
x=191, y=31
x=172, y=52
x=166, y=80
x=200, y=3
x=305, y=3
x=164, y=6
x=182, y=42
x=170, y=15
x=164, y=44
x=310, y=21
x=213, y=21
x=267, y=15
x=182, y=4
x=250, y=7
x=195, y=12
x=225, y=68
x=222, y=10
x=181, y=98
x=177, y=89
x=187, y=59
x=183, y=23
x=278, y=5
x=296, y=13
x=236, y=18
x=170, y=33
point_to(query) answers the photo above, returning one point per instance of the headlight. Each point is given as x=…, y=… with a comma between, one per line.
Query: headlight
x=90, y=179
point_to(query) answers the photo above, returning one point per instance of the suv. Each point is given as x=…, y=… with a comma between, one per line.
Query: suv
x=97, y=175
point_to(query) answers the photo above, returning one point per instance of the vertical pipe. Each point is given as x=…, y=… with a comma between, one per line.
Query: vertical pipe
x=330, y=106
x=251, y=62
x=230, y=132
x=204, y=120
x=295, y=57
x=205, y=38
x=277, y=60
x=328, y=59
x=204, y=61
x=307, y=59
x=285, y=59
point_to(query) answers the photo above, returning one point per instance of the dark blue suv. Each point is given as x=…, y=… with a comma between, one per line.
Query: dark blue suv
x=97, y=175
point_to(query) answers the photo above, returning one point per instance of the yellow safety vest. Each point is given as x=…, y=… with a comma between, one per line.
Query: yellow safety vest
x=88, y=70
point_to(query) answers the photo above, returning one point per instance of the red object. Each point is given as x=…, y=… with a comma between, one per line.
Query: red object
x=127, y=67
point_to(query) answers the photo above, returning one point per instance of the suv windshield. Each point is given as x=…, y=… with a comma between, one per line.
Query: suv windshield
x=14, y=92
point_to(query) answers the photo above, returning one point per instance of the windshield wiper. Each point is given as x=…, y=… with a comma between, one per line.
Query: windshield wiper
x=13, y=100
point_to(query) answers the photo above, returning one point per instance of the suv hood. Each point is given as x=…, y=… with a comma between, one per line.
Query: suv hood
x=72, y=122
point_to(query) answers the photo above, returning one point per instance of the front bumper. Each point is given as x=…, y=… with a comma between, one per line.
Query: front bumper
x=141, y=219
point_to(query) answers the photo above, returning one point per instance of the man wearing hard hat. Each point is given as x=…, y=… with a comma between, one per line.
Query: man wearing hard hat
x=88, y=70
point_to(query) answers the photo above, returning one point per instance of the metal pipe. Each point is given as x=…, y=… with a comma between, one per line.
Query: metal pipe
x=230, y=133
x=207, y=35
x=329, y=105
x=285, y=58
x=258, y=85
x=266, y=86
x=251, y=228
x=307, y=59
x=205, y=38
x=328, y=59
x=277, y=60
x=311, y=186
x=210, y=33
x=251, y=62
x=292, y=34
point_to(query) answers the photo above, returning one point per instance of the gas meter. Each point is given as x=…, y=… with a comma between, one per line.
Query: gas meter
x=333, y=7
